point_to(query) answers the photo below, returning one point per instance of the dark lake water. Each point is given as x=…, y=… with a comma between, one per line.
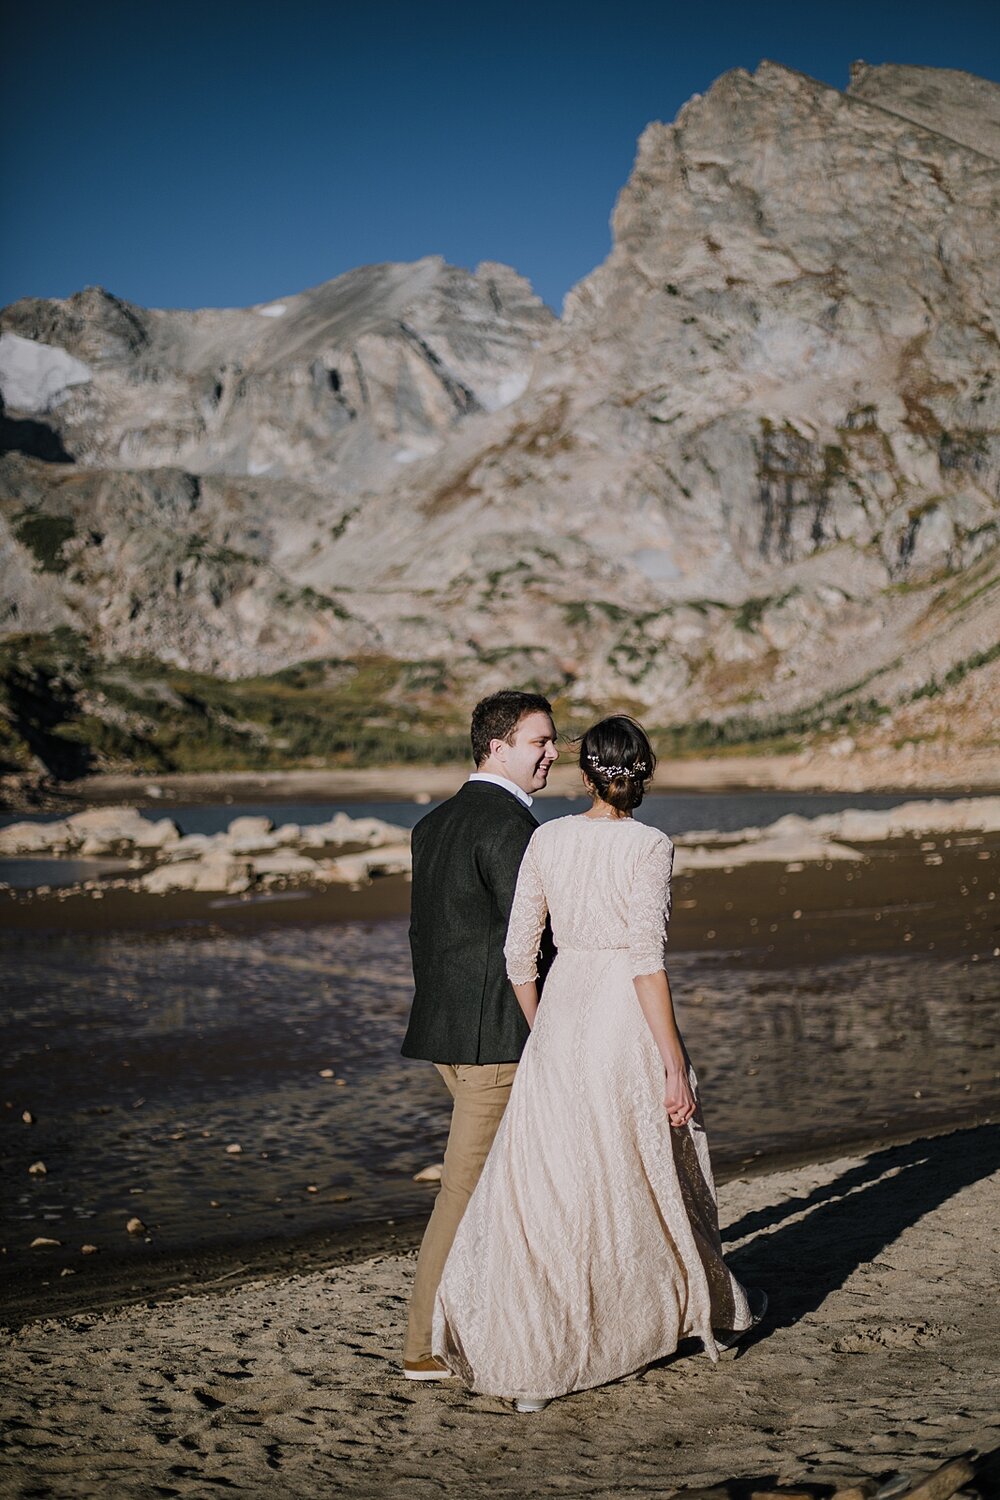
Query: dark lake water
x=145, y=1058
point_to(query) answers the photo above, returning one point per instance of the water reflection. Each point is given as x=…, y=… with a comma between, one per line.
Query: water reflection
x=145, y=1060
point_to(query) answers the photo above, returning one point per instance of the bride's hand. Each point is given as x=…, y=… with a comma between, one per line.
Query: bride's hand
x=679, y=1101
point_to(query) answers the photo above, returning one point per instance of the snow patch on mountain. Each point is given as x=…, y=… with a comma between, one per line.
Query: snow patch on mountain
x=36, y=377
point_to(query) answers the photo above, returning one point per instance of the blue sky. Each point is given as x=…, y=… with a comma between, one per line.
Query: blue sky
x=221, y=154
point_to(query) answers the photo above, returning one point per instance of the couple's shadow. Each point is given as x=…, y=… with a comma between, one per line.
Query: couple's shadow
x=849, y=1222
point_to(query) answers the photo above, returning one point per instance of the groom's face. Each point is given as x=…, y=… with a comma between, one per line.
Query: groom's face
x=526, y=760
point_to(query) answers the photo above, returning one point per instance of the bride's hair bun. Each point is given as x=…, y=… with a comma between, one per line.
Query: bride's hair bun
x=618, y=759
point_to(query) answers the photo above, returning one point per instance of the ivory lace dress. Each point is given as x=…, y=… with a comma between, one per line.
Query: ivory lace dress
x=590, y=1246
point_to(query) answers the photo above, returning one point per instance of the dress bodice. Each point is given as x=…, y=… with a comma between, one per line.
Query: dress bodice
x=604, y=882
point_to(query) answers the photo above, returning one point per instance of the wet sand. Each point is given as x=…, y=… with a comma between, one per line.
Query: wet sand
x=832, y=1005
x=934, y=887
x=877, y=1356
x=250, y=1341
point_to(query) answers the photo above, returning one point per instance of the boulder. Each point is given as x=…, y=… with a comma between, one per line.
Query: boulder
x=217, y=872
x=249, y=828
x=191, y=846
x=104, y=829
x=36, y=838
x=284, y=863
x=360, y=869
x=341, y=829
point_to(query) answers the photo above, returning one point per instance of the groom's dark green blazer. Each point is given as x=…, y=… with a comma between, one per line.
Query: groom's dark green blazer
x=466, y=855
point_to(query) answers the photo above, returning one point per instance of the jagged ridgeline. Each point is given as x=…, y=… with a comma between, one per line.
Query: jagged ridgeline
x=748, y=486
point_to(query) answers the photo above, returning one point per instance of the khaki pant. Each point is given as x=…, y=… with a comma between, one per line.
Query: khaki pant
x=480, y=1092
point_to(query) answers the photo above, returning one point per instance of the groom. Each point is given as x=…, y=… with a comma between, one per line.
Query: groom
x=465, y=1017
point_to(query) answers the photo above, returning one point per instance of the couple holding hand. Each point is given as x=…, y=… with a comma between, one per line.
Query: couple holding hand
x=575, y=1236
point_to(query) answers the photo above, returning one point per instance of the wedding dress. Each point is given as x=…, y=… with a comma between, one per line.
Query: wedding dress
x=590, y=1246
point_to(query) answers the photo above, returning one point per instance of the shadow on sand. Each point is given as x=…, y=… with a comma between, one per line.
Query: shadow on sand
x=849, y=1222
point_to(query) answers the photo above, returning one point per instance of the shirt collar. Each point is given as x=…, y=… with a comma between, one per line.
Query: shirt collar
x=508, y=786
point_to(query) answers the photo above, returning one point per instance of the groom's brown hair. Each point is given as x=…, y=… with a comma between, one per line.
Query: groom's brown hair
x=497, y=718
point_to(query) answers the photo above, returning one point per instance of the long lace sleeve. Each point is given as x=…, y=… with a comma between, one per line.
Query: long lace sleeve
x=649, y=909
x=527, y=918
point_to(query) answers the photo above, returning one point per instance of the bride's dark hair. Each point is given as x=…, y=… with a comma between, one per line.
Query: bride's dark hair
x=618, y=759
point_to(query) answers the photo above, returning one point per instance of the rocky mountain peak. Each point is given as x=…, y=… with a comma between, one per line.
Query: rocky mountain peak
x=756, y=464
x=959, y=106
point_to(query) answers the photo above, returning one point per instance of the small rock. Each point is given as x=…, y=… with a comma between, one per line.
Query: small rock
x=430, y=1174
x=40, y=1242
x=88, y=1249
x=312, y=1188
x=38, y=1169
x=341, y=1198
x=135, y=1226
x=234, y=1150
x=67, y=1271
x=341, y=1083
x=27, y=1117
x=326, y=1072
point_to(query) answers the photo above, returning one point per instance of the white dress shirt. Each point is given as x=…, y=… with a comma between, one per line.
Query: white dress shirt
x=508, y=786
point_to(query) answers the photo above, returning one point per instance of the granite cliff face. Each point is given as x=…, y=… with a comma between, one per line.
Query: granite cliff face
x=754, y=469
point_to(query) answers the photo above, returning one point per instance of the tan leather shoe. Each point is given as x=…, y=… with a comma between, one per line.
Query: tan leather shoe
x=426, y=1369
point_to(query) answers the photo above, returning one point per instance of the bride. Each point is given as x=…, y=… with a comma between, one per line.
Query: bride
x=591, y=1245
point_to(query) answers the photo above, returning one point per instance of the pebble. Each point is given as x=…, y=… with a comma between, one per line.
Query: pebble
x=88, y=1249
x=40, y=1242
x=27, y=1117
x=234, y=1150
x=135, y=1226
x=326, y=1072
x=38, y=1169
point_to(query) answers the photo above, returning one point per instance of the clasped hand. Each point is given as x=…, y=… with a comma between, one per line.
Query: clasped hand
x=679, y=1100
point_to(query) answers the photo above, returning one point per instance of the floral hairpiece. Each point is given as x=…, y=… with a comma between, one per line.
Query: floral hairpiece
x=630, y=773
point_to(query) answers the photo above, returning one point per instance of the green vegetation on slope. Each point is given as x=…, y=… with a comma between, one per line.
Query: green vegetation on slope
x=66, y=710
x=74, y=713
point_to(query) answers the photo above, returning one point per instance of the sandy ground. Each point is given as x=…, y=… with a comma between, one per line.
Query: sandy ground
x=878, y=1355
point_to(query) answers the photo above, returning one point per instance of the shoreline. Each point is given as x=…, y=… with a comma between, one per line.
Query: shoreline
x=225, y=1265
x=404, y=783
x=876, y=1358
x=716, y=910
x=775, y=942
